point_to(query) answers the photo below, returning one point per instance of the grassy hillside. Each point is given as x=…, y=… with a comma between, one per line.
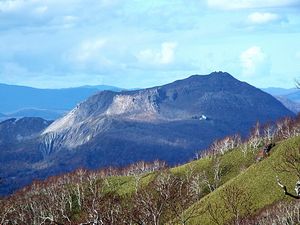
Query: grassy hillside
x=233, y=163
x=240, y=170
x=216, y=189
x=259, y=180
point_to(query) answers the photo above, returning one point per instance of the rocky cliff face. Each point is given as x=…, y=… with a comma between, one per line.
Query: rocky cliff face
x=169, y=122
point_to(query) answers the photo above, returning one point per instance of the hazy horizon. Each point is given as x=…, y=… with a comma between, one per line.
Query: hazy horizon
x=132, y=88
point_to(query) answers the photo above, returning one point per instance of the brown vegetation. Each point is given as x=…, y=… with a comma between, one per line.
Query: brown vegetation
x=89, y=197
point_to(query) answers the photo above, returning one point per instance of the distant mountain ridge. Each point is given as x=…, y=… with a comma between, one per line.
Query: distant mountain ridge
x=3, y=117
x=290, y=98
x=16, y=130
x=169, y=122
x=276, y=91
x=21, y=101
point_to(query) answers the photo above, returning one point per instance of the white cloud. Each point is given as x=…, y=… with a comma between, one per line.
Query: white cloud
x=263, y=18
x=25, y=13
x=253, y=61
x=88, y=50
x=167, y=52
x=21, y=6
x=66, y=21
x=51, y=13
x=41, y=9
x=11, y=6
x=164, y=56
x=250, y=4
x=92, y=55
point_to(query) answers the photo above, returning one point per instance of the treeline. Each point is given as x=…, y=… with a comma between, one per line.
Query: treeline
x=84, y=197
x=280, y=213
x=259, y=136
x=155, y=194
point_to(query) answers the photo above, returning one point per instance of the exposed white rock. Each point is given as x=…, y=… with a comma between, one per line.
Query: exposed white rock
x=135, y=107
x=63, y=123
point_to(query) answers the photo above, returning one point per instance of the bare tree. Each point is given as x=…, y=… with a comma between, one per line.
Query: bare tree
x=225, y=144
x=95, y=199
x=281, y=213
x=6, y=210
x=213, y=177
x=151, y=202
x=216, y=213
x=268, y=132
x=290, y=164
x=297, y=82
x=255, y=138
x=185, y=192
x=285, y=191
x=237, y=201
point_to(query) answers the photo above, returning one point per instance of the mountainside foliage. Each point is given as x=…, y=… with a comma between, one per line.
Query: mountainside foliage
x=233, y=182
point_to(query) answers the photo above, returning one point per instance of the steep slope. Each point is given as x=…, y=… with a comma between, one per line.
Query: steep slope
x=260, y=182
x=18, y=151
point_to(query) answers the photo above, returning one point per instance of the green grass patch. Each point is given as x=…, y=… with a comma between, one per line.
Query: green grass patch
x=259, y=180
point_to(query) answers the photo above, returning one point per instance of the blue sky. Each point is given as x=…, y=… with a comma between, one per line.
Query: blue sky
x=142, y=43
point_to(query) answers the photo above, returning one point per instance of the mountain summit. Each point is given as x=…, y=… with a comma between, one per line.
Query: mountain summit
x=169, y=122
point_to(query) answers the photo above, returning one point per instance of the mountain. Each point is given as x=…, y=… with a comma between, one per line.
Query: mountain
x=290, y=98
x=16, y=130
x=17, y=151
x=162, y=122
x=2, y=117
x=275, y=91
x=23, y=101
x=169, y=122
x=295, y=96
x=291, y=105
x=43, y=113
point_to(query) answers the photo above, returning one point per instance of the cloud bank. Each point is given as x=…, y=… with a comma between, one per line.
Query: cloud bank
x=250, y=4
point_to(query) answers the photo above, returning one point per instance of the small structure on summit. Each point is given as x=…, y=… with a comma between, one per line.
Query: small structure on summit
x=202, y=117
